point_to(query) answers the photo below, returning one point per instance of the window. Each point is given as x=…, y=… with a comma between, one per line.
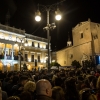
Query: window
x=35, y=62
x=38, y=58
x=46, y=46
x=81, y=35
x=32, y=58
x=38, y=45
x=33, y=44
x=26, y=57
x=95, y=36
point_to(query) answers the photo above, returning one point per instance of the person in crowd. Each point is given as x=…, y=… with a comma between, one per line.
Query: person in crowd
x=36, y=76
x=30, y=87
x=3, y=94
x=43, y=90
x=44, y=75
x=93, y=85
x=71, y=92
x=98, y=88
x=9, y=85
x=0, y=94
x=13, y=98
x=25, y=95
x=55, y=78
x=58, y=93
x=17, y=89
x=80, y=80
x=85, y=94
x=7, y=80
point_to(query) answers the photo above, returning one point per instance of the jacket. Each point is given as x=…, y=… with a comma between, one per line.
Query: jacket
x=43, y=97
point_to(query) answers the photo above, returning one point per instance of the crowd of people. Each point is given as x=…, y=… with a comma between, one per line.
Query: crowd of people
x=78, y=84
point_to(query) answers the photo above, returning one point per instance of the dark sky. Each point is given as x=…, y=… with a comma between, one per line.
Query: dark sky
x=74, y=11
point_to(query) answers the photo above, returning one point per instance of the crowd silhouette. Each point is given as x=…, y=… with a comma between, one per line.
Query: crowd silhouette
x=78, y=84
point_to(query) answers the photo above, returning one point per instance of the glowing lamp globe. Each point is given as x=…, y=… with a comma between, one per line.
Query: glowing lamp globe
x=58, y=17
x=38, y=18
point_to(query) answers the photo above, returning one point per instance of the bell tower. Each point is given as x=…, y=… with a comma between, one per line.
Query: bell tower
x=69, y=42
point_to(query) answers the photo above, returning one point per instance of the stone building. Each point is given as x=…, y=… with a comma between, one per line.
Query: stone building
x=14, y=56
x=86, y=44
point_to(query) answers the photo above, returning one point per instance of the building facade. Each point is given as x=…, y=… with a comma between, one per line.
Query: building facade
x=34, y=54
x=86, y=44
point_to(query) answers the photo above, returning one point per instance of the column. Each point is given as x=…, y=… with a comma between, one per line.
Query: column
x=23, y=54
x=12, y=57
x=4, y=62
x=12, y=54
x=12, y=66
x=5, y=53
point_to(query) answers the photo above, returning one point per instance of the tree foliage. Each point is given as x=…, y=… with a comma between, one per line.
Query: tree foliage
x=76, y=64
x=55, y=64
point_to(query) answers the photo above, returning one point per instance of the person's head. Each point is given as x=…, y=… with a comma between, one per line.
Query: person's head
x=30, y=86
x=25, y=95
x=0, y=84
x=0, y=94
x=10, y=75
x=57, y=93
x=43, y=87
x=23, y=80
x=70, y=84
x=93, y=83
x=58, y=81
x=15, y=79
x=13, y=98
x=71, y=73
x=98, y=83
x=84, y=94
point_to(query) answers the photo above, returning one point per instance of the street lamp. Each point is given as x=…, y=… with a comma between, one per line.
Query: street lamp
x=49, y=27
x=22, y=40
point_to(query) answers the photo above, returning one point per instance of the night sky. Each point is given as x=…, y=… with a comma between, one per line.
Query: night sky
x=74, y=11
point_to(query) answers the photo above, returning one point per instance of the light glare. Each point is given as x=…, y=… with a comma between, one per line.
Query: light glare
x=38, y=18
x=58, y=17
x=26, y=44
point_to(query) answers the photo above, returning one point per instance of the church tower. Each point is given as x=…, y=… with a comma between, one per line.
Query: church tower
x=69, y=42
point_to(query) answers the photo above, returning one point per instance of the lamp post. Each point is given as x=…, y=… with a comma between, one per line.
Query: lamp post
x=22, y=40
x=49, y=26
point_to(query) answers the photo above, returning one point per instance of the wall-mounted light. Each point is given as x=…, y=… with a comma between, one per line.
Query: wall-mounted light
x=26, y=43
x=29, y=60
x=16, y=44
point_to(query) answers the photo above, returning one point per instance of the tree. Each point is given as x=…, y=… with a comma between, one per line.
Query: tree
x=76, y=64
x=55, y=64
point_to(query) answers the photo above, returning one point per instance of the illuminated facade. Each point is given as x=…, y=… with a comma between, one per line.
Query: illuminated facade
x=86, y=44
x=34, y=55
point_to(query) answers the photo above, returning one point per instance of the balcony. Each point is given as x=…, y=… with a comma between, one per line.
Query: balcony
x=8, y=57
